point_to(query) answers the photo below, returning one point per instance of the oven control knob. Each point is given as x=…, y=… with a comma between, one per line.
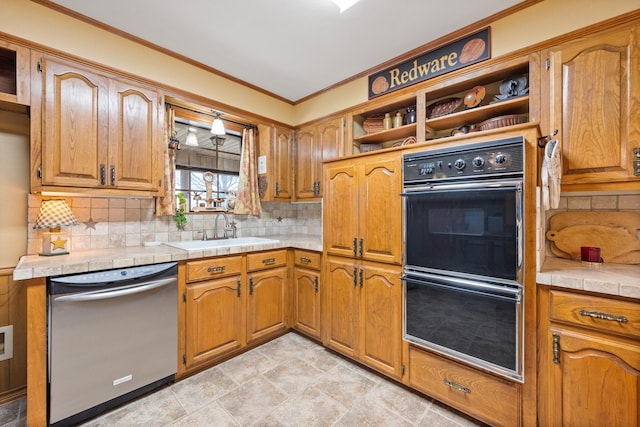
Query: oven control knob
x=478, y=162
x=501, y=158
x=459, y=164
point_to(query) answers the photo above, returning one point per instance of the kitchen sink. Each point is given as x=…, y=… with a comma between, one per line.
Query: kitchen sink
x=198, y=245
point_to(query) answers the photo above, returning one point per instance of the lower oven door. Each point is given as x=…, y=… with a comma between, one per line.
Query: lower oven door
x=474, y=322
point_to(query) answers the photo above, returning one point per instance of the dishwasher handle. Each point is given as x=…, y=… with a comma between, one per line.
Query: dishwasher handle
x=106, y=294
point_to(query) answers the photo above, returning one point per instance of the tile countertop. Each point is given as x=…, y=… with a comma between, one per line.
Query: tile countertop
x=32, y=266
x=612, y=279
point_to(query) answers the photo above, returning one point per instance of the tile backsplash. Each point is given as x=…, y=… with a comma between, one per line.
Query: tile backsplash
x=582, y=201
x=121, y=222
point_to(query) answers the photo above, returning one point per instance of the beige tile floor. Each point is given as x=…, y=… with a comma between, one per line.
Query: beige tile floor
x=290, y=381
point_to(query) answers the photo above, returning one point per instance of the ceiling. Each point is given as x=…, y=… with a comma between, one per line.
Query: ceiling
x=288, y=48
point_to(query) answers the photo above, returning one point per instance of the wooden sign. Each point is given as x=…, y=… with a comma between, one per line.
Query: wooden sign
x=459, y=54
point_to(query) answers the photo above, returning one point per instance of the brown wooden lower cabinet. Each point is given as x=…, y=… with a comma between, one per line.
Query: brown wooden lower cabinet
x=589, y=363
x=363, y=312
x=305, y=288
x=488, y=398
x=266, y=303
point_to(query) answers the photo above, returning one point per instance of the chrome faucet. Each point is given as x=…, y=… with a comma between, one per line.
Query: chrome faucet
x=215, y=226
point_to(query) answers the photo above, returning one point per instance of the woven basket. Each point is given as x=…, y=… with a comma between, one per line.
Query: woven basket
x=502, y=121
x=373, y=124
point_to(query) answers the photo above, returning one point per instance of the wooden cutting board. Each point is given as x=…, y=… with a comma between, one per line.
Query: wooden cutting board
x=630, y=221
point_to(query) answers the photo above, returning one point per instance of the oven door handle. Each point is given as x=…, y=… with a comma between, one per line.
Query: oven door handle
x=505, y=293
x=485, y=185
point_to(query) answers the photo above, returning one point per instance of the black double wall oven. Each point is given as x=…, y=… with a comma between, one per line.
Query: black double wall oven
x=463, y=238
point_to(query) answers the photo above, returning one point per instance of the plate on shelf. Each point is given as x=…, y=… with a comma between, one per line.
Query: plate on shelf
x=409, y=140
x=474, y=97
x=443, y=107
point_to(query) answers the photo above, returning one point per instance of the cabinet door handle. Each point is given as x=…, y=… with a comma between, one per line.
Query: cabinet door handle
x=103, y=174
x=361, y=278
x=556, y=349
x=355, y=276
x=277, y=188
x=217, y=269
x=239, y=288
x=39, y=173
x=361, y=247
x=355, y=246
x=457, y=386
x=112, y=171
x=603, y=316
x=268, y=260
x=315, y=284
x=305, y=259
x=251, y=286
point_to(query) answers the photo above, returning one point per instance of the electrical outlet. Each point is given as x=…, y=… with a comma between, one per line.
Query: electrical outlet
x=6, y=342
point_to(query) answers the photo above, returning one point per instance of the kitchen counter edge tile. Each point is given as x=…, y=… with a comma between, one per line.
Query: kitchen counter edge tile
x=32, y=266
x=611, y=279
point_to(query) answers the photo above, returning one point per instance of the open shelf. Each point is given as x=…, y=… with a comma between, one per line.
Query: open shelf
x=519, y=105
x=388, y=135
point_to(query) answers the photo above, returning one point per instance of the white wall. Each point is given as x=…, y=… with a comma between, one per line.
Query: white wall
x=14, y=187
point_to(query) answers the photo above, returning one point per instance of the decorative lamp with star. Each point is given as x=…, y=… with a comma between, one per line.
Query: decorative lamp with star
x=53, y=215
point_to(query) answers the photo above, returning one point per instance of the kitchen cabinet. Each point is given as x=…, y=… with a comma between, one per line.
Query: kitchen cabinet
x=275, y=148
x=363, y=312
x=14, y=73
x=315, y=143
x=493, y=400
x=589, y=360
x=91, y=130
x=214, y=309
x=592, y=90
x=362, y=215
x=306, y=294
x=267, y=307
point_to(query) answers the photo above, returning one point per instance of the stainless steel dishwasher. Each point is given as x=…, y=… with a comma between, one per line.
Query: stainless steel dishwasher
x=112, y=336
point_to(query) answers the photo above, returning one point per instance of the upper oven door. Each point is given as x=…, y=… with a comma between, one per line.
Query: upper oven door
x=465, y=230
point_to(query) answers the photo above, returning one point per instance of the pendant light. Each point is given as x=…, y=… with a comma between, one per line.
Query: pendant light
x=217, y=127
x=192, y=138
x=345, y=4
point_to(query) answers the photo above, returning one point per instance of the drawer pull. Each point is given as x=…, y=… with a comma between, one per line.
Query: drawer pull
x=457, y=386
x=603, y=316
x=217, y=269
x=268, y=260
x=304, y=259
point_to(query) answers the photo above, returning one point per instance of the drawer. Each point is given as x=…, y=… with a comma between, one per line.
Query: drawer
x=213, y=268
x=307, y=259
x=605, y=314
x=262, y=260
x=483, y=396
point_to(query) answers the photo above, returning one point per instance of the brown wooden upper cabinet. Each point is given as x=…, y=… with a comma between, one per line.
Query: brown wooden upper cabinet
x=315, y=143
x=362, y=215
x=14, y=73
x=593, y=94
x=275, y=182
x=94, y=131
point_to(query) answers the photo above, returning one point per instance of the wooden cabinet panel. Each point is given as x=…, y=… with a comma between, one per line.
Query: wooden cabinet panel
x=488, y=398
x=133, y=131
x=14, y=73
x=263, y=260
x=331, y=136
x=381, y=318
x=276, y=147
x=380, y=211
x=604, y=314
x=363, y=208
x=213, y=319
x=266, y=303
x=307, y=259
x=308, y=163
x=596, y=381
x=593, y=98
x=75, y=126
x=341, y=305
x=214, y=268
x=306, y=301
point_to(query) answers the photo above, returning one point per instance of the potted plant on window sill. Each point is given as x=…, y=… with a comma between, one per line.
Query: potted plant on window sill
x=180, y=218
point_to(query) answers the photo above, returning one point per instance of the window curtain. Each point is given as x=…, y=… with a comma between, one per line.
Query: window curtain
x=166, y=202
x=248, y=201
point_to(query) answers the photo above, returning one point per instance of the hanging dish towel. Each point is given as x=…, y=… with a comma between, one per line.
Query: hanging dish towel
x=551, y=175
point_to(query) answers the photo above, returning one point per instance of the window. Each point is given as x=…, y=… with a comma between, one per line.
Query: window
x=206, y=155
